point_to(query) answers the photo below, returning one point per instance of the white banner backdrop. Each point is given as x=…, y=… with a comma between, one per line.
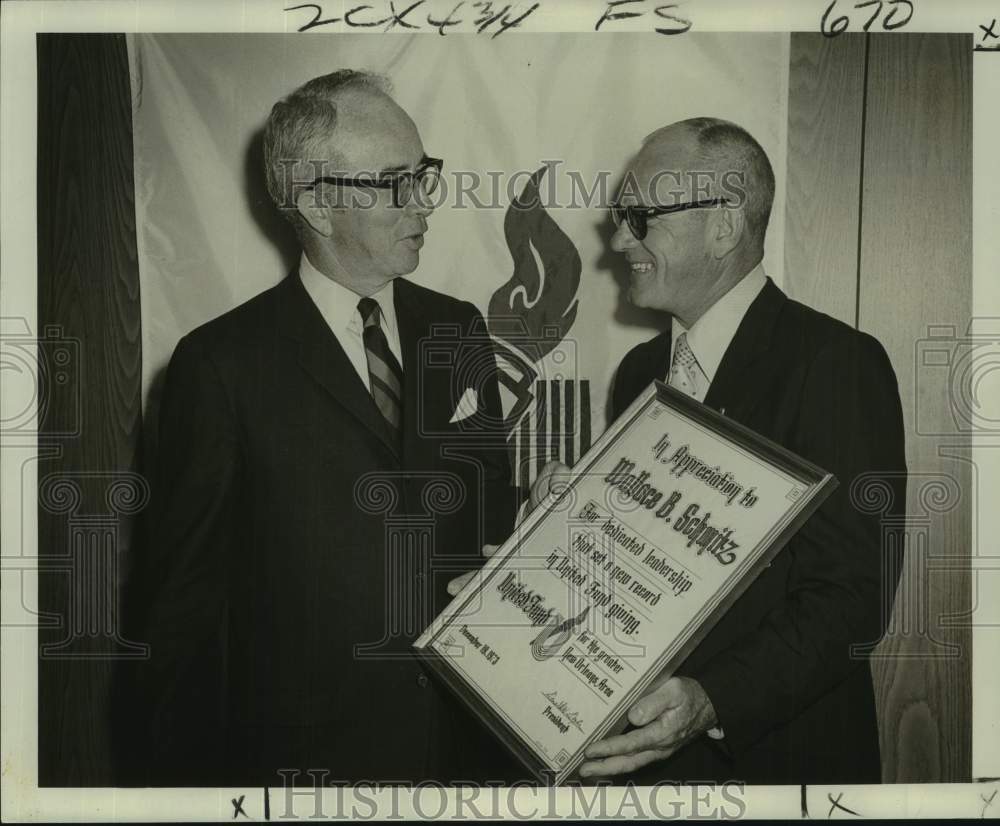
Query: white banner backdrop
x=209, y=239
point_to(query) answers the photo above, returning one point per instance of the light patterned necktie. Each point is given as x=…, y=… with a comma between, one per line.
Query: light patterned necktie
x=685, y=372
x=384, y=372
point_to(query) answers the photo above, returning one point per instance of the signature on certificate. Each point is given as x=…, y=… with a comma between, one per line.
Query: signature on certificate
x=567, y=716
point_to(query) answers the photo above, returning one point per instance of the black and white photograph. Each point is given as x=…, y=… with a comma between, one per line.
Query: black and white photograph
x=500, y=410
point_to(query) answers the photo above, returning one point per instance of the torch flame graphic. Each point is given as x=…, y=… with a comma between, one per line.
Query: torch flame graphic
x=541, y=293
x=555, y=635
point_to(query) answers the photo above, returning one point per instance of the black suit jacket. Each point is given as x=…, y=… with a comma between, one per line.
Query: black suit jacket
x=795, y=704
x=297, y=557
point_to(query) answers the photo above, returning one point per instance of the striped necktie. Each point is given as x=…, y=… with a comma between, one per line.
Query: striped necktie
x=384, y=372
x=685, y=372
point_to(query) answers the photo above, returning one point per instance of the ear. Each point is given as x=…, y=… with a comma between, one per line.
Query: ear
x=726, y=230
x=314, y=213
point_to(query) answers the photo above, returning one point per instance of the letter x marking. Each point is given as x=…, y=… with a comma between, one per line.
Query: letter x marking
x=238, y=807
x=835, y=804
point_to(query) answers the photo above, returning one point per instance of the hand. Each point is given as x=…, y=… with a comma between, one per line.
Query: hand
x=553, y=477
x=667, y=718
x=459, y=582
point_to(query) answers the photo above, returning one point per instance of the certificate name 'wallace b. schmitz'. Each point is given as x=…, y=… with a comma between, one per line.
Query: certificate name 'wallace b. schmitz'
x=611, y=584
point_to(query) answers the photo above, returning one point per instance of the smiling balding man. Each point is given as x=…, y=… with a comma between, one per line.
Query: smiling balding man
x=319, y=481
x=780, y=691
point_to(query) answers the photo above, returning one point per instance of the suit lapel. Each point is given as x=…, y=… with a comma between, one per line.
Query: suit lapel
x=414, y=327
x=659, y=363
x=734, y=383
x=319, y=353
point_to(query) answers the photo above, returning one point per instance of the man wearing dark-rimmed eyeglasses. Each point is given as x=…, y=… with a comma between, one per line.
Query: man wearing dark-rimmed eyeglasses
x=779, y=691
x=330, y=454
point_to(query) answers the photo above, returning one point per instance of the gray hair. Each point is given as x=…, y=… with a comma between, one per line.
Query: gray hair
x=725, y=147
x=299, y=130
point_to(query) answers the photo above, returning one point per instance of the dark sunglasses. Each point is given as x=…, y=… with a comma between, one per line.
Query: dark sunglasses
x=422, y=180
x=638, y=216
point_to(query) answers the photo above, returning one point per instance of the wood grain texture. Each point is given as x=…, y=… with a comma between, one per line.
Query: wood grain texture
x=915, y=271
x=825, y=103
x=88, y=288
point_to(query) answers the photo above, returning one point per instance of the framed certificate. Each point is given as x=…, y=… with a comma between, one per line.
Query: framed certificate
x=615, y=579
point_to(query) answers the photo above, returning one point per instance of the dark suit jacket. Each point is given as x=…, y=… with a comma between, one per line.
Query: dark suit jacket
x=297, y=557
x=795, y=704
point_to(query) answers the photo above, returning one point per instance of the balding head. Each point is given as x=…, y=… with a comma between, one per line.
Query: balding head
x=720, y=159
x=720, y=182
x=323, y=144
x=303, y=128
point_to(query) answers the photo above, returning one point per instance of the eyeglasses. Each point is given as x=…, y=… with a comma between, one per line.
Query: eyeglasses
x=638, y=216
x=422, y=180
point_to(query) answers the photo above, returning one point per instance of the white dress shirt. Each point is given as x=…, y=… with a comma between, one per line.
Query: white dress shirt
x=710, y=335
x=339, y=307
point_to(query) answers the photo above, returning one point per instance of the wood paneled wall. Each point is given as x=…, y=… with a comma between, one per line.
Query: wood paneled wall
x=823, y=181
x=88, y=290
x=879, y=234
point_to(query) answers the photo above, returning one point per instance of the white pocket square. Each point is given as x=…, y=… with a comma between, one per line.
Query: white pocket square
x=467, y=406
